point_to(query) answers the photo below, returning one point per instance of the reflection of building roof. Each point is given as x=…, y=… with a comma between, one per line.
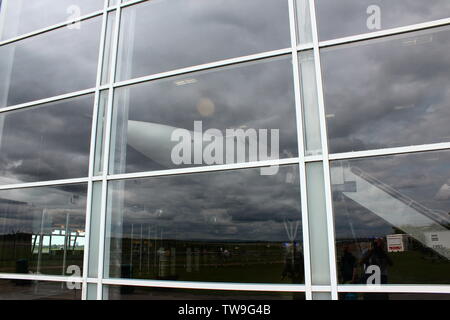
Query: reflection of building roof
x=16, y=236
x=8, y=201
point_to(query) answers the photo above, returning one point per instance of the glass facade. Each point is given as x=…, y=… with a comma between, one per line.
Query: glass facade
x=224, y=149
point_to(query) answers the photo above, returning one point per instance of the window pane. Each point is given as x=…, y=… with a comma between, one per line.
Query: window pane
x=50, y=64
x=91, y=291
x=18, y=17
x=197, y=32
x=392, y=219
x=397, y=96
x=349, y=17
x=94, y=237
x=42, y=230
x=158, y=125
x=318, y=233
x=310, y=103
x=304, y=22
x=108, y=50
x=39, y=290
x=143, y=293
x=46, y=142
x=101, y=134
x=235, y=226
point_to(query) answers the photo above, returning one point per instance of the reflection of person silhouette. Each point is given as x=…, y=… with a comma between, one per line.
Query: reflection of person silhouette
x=347, y=266
x=376, y=256
x=293, y=265
x=222, y=255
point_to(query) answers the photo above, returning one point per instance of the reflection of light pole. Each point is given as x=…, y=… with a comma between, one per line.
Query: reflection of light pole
x=291, y=232
x=65, y=247
x=50, y=242
x=41, y=237
x=131, y=253
x=41, y=240
x=148, y=251
x=154, y=256
x=140, y=253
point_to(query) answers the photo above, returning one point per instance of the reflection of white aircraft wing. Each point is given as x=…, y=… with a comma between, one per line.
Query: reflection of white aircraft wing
x=154, y=141
x=392, y=210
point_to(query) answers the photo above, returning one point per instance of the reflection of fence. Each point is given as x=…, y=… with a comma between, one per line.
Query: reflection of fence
x=440, y=217
x=171, y=259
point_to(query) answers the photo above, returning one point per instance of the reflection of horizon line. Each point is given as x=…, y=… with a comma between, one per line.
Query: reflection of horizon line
x=209, y=241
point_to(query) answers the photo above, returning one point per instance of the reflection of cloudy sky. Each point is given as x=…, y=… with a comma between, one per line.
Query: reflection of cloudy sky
x=388, y=93
x=47, y=142
x=257, y=95
x=24, y=16
x=235, y=205
x=207, y=30
x=418, y=176
x=53, y=63
x=340, y=18
x=21, y=209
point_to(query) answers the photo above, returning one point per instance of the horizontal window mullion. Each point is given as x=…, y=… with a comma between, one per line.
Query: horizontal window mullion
x=44, y=183
x=48, y=100
x=206, y=66
x=396, y=288
x=203, y=169
x=389, y=151
x=51, y=28
x=384, y=33
x=207, y=285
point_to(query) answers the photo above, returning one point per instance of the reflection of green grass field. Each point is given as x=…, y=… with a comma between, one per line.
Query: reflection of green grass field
x=413, y=267
x=50, y=264
x=200, y=261
x=264, y=273
x=252, y=273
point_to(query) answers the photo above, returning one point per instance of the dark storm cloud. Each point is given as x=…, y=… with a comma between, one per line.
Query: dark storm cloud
x=27, y=16
x=53, y=63
x=256, y=95
x=340, y=18
x=388, y=93
x=239, y=205
x=46, y=142
x=208, y=30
